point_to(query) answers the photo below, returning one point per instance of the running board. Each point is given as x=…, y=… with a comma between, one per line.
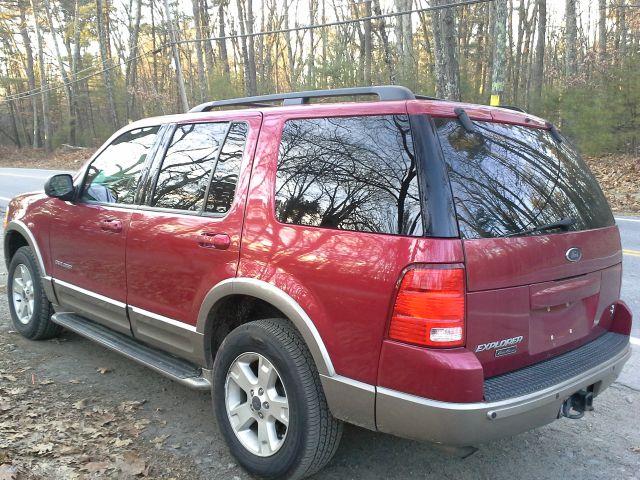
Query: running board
x=176, y=369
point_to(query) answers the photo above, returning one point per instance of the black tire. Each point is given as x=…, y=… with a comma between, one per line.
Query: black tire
x=39, y=326
x=313, y=434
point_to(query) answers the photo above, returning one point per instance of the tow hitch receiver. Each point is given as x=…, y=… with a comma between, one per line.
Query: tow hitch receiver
x=578, y=403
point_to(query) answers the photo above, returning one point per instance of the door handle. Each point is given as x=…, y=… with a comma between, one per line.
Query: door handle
x=219, y=241
x=111, y=225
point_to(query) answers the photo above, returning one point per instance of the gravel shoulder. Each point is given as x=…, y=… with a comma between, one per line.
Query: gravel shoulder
x=71, y=409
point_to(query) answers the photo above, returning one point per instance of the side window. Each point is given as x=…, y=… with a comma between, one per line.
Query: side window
x=352, y=173
x=225, y=173
x=113, y=176
x=188, y=164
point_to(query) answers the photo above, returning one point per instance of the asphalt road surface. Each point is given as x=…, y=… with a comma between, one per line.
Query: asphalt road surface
x=605, y=444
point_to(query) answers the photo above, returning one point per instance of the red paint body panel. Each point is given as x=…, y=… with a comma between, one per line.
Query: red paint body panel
x=507, y=262
x=97, y=256
x=170, y=268
x=453, y=375
x=345, y=281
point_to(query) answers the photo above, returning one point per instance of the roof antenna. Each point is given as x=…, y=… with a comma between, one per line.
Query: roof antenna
x=465, y=121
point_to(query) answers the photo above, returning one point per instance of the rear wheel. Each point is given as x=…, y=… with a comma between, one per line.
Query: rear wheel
x=269, y=402
x=30, y=309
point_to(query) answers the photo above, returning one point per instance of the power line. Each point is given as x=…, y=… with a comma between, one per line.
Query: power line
x=31, y=93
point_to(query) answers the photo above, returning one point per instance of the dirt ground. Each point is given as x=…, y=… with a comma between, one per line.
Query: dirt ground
x=70, y=409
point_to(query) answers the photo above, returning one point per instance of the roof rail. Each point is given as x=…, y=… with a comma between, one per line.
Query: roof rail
x=426, y=97
x=384, y=93
x=512, y=107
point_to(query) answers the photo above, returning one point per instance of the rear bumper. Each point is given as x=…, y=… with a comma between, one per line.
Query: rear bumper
x=464, y=424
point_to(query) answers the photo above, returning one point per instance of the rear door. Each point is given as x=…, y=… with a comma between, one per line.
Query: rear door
x=186, y=238
x=88, y=237
x=532, y=292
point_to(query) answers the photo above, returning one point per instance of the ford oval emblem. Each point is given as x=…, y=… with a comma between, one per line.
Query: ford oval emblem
x=573, y=254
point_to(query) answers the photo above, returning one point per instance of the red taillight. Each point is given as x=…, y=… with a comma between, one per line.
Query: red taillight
x=429, y=308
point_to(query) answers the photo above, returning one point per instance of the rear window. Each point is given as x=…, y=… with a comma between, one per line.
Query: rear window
x=349, y=173
x=508, y=179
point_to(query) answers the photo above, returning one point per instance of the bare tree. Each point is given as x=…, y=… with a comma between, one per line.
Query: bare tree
x=538, y=67
x=446, y=64
x=103, y=41
x=602, y=30
x=498, y=74
x=31, y=77
x=44, y=87
x=570, y=38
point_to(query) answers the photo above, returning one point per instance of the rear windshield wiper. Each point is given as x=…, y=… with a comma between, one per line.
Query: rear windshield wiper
x=563, y=223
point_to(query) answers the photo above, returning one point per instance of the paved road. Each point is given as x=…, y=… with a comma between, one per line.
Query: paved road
x=14, y=181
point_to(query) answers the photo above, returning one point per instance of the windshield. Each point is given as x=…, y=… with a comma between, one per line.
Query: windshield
x=507, y=180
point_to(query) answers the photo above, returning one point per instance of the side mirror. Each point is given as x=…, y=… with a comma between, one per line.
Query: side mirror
x=60, y=186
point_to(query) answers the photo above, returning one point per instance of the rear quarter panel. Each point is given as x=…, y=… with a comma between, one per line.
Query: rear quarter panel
x=345, y=281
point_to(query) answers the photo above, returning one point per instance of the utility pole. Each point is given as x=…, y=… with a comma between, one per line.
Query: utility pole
x=182, y=92
x=497, y=80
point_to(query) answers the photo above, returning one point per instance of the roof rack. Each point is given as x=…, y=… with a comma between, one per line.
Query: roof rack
x=384, y=93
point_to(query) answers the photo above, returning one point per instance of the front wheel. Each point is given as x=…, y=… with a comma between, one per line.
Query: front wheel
x=269, y=402
x=29, y=306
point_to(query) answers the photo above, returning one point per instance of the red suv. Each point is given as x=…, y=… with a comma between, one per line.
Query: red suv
x=435, y=270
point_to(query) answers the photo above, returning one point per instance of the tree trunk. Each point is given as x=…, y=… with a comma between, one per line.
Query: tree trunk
x=202, y=87
x=367, y=44
x=131, y=76
x=253, y=87
x=602, y=30
x=31, y=77
x=386, y=49
x=182, y=92
x=44, y=87
x=571, y=38
x=447, y=70
x=538, y=67
x=103, y=41
x=224, y=56
x=498, y=74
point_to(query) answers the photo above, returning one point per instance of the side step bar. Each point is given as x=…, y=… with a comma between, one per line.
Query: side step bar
x=176, y=369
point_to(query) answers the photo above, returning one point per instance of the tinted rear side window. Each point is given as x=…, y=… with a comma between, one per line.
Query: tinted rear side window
x=349, y=173
x=510, y=178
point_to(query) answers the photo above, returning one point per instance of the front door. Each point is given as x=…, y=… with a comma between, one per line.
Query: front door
x=186, y=238
x=88, y=237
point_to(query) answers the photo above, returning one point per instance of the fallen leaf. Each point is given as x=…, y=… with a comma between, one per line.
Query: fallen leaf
x=42, y=448
x=160, y=439
x=122, y=442
x=8, y=472
x=103, y=370
x=635, y=449
x=81, y=403
x=93, y=467
x=74, y=380
x=132, y=464
x=70, y=450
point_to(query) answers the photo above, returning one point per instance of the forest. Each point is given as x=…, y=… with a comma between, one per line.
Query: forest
x=73, y=71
